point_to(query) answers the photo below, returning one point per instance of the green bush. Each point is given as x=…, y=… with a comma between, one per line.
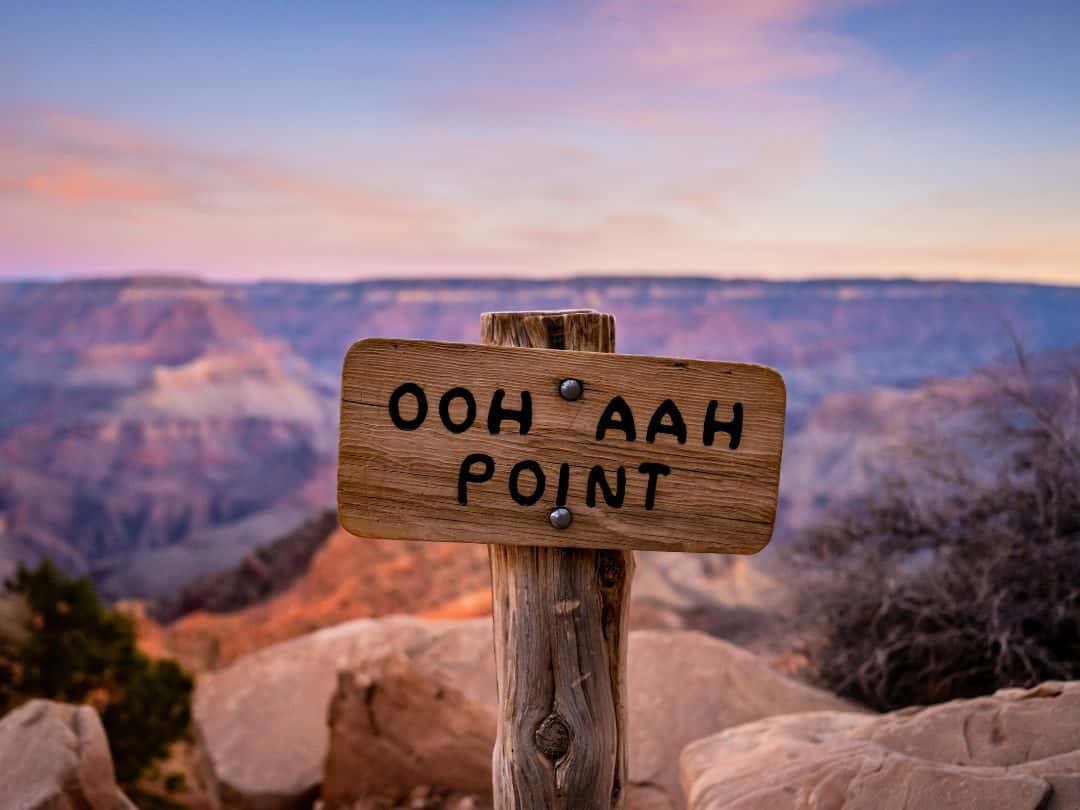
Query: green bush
x=72, y=648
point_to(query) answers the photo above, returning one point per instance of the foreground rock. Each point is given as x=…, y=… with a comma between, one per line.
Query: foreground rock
x=1015, y=750
x=394, y=728
x=262, y=723
x=54, y=756
x=686, y=685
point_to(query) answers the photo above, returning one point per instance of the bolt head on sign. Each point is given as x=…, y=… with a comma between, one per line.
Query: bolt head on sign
x=506, y=445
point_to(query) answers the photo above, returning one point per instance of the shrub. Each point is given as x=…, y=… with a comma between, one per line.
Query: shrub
x=964, y=577
x=72, y=648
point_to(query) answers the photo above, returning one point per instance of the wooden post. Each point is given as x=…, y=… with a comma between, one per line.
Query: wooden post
x=560, y=618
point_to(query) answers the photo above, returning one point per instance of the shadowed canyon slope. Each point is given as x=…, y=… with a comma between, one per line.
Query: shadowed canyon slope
x=156, y=430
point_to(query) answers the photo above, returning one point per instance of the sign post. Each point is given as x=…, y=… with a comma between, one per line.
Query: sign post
x=560, y=619
x=563, y=457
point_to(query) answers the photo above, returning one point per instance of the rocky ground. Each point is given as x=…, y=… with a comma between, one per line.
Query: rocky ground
x=1014, y=750
x=399, y=712
x=372, y=705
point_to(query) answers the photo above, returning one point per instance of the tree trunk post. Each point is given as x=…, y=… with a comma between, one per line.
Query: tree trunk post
x=560, y=619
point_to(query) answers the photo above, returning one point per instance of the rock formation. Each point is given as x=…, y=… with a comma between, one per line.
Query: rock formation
x=153, y=430
x=1015, y=750
x=54, y=756
x=347, y=578
x=262, y=721
x=394, y=728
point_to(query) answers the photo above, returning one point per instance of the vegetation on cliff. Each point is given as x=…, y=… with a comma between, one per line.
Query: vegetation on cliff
x=58, y=641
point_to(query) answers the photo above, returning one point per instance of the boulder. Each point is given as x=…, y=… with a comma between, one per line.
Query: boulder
x=394, y=728
x=1017, y=749
x=55, y=756
x=684, y=683
x=681, y=684
x=262, y=723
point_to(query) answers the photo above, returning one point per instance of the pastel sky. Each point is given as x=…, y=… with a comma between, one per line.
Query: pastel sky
x=770, y=138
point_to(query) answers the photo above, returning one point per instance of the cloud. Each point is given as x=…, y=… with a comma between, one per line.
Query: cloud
x=673, y=67
x=105, y=193
x=74, y=183
x=612, y=128
x=725, y=44
x=64, y=156
x=631, y=134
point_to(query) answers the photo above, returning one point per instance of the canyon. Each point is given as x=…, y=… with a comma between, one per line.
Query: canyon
x=156, y=430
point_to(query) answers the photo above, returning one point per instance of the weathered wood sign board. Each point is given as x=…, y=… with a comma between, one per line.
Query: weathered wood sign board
x=447, y=441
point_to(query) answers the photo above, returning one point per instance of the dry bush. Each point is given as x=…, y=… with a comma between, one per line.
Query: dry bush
x=963, y=576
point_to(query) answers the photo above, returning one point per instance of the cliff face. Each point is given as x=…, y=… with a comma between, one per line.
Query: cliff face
x=347, y=578
x=139, y=416
x=825, y=337
x=152, y=431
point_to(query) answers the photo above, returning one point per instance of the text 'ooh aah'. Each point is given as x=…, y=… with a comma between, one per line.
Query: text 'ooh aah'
x=526, y=480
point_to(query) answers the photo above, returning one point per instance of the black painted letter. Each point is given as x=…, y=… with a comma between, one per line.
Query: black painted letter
x=470, y=409
x=677, y=428
x=654, y=471
x=399, y=421
x=497, y=413
x=466, y=476
x=597, y=476
x=625, y=422
x=732, y=428
x=515, y=473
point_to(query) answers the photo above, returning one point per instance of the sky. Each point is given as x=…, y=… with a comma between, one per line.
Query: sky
x=748, y=138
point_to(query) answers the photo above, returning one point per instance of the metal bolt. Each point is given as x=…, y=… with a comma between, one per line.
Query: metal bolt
x=571, y=389
x=560, y=517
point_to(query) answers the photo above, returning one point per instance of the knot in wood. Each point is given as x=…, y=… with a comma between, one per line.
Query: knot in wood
x=610, y=568
x=552, y=737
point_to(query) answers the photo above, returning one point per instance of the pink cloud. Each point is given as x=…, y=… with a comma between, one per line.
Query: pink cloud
x=68, y=157
x=723, y=44
x=637, y=134
x=104, y=191
x=84, y=184
x=665, y=67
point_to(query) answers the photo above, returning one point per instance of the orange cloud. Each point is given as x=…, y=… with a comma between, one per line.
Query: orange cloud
x=457, y=198
x=84, y=184
x=67, y=157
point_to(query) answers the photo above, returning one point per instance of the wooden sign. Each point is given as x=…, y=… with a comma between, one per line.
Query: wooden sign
x=447, y=441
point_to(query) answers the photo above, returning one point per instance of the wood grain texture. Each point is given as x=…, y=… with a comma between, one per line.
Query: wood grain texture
x=404, y=483
x=560, y=617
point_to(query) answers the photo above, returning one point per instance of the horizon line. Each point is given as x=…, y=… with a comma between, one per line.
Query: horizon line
x=180, y=276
